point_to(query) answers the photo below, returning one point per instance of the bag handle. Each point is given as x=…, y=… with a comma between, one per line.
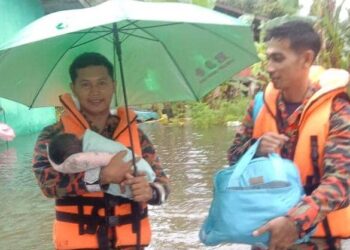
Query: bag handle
x=244, y=161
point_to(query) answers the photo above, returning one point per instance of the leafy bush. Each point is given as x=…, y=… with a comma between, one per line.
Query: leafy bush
x=204, y=117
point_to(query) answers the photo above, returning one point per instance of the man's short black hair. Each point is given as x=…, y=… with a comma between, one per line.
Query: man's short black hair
x=90, y=59
x=300, y=34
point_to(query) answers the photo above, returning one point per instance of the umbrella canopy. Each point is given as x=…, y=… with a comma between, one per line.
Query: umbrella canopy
x=167, y=51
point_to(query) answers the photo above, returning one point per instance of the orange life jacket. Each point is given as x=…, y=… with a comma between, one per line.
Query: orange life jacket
x=81, y=221
x=313, y=132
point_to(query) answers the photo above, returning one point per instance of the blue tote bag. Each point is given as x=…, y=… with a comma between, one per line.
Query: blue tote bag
x=249, y=194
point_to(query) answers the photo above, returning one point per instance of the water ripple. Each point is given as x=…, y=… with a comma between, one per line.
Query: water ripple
x=189, y=157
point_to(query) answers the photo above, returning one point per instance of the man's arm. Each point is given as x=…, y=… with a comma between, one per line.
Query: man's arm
x=161, y=183
x=243, y=137
x=333, y=192
x=52, y=183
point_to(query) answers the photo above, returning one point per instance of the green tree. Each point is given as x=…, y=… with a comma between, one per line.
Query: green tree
x=335, y=35
x=266, y=8
x=203, y=3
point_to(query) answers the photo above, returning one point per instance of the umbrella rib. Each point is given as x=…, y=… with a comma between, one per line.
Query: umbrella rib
x=107, y=28
x=4, y=54
x=91, y=40
x=93, y=32
x=138, y=36
x=52, y=69
x=124, y=29
x=128, y=34
x=174, y=61
x=128, y=24
x=224, y=38
x=152, y=26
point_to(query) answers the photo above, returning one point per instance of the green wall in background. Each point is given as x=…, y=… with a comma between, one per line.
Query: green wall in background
x=14, y=15
x=24, y=120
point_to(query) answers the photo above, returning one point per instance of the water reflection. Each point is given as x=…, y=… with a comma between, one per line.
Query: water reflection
x=189, y=156
x=26, y=216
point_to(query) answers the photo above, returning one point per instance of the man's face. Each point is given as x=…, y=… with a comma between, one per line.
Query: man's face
x=285, y=66
x=94, y=89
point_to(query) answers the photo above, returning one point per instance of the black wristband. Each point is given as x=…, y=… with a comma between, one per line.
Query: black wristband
x=155, y=196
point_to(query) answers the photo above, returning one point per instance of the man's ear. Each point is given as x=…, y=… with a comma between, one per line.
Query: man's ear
x=112, y=105
x=71, y=85
x=308, y=58
x=74, y=96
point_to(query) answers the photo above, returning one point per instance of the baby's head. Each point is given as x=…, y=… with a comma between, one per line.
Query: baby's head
x=64, y=145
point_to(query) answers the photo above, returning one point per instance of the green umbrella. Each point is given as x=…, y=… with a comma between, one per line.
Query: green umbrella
x=162, y=51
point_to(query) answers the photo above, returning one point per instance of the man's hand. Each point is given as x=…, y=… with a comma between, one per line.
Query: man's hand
x=271, y=142
x=140, y=188
x=116, y=169
x=283, y=233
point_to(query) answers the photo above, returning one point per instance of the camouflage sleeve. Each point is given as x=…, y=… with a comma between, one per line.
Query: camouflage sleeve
x=52, y=183
x=333, y=192
x=161, y=182
x=243, y=137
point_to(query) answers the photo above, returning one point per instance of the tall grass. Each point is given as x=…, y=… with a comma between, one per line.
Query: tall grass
x=204, y=117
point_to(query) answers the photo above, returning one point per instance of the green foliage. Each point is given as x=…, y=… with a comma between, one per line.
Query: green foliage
x=204, y=3
x=232, y=111
x=204, y=117
x=226, y=92
x=266, y=8
x=290, y=6
x=335, y=35
x=273, y=9
x=259, y=70
x=283, y=19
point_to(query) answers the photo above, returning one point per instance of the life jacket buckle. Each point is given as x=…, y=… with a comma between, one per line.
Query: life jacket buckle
x=89, y=228
x=113, y=221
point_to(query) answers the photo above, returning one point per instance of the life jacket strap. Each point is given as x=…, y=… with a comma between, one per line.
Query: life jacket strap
x=95, y=220
x=312, y=182
x=95, y=224
x=91, y=201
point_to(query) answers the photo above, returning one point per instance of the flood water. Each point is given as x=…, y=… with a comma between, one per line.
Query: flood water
x=189, y=156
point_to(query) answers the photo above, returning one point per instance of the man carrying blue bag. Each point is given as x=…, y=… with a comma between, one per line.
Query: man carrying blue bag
x=307, y=122
x=249, y=194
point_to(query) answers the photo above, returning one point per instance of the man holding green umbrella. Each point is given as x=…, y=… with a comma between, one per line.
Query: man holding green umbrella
x=87, y=218
x=163, y=52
